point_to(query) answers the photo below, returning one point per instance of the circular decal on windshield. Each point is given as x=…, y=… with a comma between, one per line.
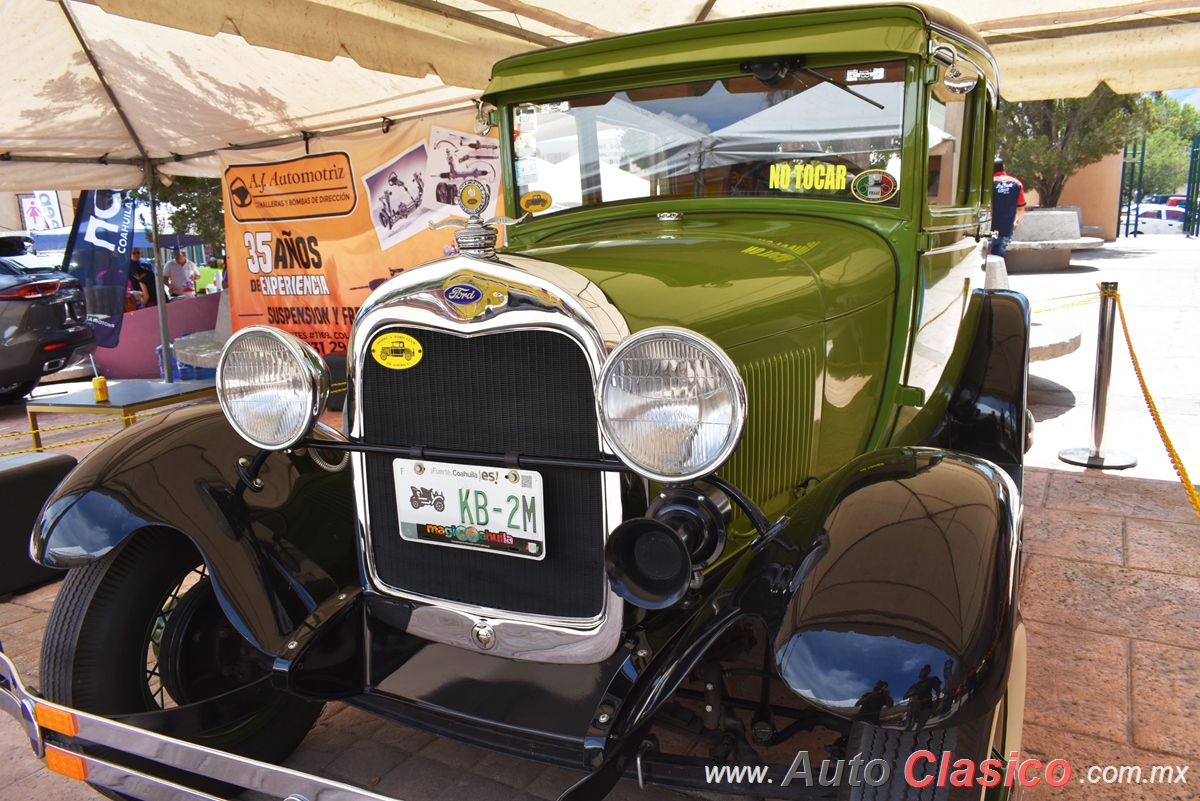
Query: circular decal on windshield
x=874, y=186
x=535, y=201
x=396, y=351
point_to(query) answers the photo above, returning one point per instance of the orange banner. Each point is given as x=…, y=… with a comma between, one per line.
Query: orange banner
x=309, y=236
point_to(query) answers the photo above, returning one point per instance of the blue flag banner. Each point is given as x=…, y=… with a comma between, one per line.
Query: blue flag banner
x=98, y=257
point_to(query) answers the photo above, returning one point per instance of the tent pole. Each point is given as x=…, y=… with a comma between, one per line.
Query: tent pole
x=160, y=275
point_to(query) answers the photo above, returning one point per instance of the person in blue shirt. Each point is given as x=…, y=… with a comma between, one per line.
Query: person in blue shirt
x=1008, y=208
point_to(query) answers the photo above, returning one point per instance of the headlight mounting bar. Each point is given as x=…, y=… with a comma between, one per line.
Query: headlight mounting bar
x=526, y=462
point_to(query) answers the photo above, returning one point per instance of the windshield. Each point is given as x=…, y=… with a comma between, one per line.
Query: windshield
x=833, y=133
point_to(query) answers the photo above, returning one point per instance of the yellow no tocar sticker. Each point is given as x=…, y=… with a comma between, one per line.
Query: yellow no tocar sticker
x=396, y=351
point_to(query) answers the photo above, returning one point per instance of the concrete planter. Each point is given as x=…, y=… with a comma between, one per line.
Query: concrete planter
x=1045, y=239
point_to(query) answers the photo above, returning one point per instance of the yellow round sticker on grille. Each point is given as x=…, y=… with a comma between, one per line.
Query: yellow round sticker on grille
x=396, y=351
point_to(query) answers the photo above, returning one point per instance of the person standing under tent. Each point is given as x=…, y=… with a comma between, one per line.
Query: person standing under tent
x=182, y=274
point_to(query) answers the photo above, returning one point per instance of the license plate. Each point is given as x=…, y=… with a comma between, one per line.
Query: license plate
x=494, y=509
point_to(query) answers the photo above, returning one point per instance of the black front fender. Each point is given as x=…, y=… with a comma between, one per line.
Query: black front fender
x=905, y=557
x=893, y=600
x=273, y=556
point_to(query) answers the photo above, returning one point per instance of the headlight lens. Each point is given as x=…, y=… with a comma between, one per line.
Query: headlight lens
x=671, y=404
x=272, y=386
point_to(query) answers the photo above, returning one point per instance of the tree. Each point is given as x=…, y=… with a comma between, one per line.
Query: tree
x=1168, y=149
x=1045, y=142
x=196, y=207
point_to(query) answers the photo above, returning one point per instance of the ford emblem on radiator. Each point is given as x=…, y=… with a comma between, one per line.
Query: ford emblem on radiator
x=462, y=294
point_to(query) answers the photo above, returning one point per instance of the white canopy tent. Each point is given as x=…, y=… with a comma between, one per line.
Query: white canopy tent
x=139, y=91
x=107, y=85
x=1051, y=48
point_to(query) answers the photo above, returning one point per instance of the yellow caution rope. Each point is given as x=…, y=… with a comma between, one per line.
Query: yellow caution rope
x=1188, y=487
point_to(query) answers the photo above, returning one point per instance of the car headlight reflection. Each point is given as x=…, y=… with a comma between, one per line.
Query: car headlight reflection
x=272, y=386
x=671, y=404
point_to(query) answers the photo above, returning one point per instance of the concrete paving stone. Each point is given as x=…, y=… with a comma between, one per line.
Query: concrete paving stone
x=41, y=598
x=1126, y=602
x=401, y=736
x=1074, y=535
x=418, y=779
x=1120, y=495
x=1166, y=699
x=518, y=773
x=476, y=788
x=16, y=758
x=453, y=753
x=364, y=761
x=13, y=613
x=329, y=712
x=29, y=626
x=26, y=654
x=1169, y=547
x=47, y=785
x=1083, y=752
x=320, y=747
x=363, y=724
x=1068, y=671
x=1034, y=484
x=44, y=786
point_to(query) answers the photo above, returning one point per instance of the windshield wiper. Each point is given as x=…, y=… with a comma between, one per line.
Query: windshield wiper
x=772, y=71
x=839, y=85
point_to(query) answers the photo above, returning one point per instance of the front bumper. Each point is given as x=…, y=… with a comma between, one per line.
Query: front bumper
x=53, y=730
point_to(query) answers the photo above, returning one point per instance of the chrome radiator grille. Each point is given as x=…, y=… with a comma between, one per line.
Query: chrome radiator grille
x=517, y=391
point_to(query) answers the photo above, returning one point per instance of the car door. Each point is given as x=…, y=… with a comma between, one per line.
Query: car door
x=1150, y=221
x=1173, y=221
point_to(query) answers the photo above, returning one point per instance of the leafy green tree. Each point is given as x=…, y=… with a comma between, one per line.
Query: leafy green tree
x=1168, y=149
x=1045, y=142
x=196, y=207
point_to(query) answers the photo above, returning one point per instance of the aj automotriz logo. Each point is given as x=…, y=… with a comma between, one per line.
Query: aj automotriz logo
x=242, y=197
x=304, y=188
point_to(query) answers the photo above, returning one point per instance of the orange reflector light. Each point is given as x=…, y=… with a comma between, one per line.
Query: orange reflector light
x=73, y=766
x=57, y=720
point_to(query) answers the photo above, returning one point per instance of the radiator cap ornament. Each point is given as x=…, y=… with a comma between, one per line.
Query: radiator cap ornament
x=475, y=237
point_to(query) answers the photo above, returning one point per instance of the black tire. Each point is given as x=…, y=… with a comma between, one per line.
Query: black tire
x=971, y=741
x=439, y=505
x=14, y=392
x=117, y=643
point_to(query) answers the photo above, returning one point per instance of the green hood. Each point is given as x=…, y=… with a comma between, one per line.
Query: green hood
x=735, y=278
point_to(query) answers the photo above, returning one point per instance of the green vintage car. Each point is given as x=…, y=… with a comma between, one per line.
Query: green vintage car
x=728, y=436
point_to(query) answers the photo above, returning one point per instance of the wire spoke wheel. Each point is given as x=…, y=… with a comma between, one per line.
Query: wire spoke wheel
x=154, y=683
x=140, y=635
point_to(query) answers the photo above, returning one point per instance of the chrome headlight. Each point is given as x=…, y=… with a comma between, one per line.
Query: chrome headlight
x=272, y=386
x=671, y=404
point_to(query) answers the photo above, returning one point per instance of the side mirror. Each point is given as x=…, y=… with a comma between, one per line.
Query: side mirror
x=959, y=74
x=482, y=124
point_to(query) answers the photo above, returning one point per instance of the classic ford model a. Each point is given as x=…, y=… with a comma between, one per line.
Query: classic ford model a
x=716, y=464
